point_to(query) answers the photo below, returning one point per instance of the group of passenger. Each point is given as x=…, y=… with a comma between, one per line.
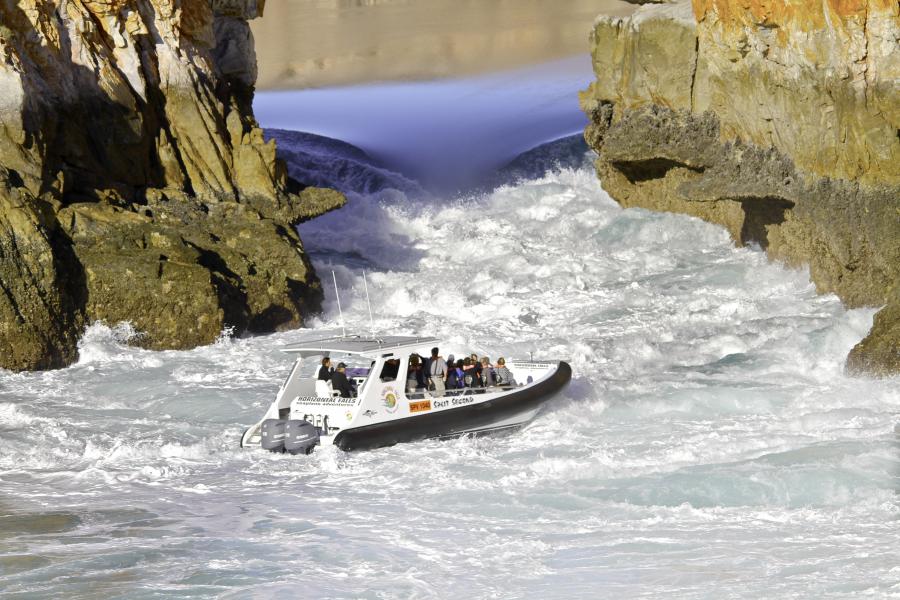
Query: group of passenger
x=438, y=375
x=337, y=377
x=433, y=374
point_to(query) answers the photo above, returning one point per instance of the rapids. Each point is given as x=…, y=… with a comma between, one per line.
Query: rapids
x=709, y=444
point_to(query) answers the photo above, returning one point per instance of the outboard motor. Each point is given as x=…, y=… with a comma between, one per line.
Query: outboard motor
x=300, y=437
x=272, y=434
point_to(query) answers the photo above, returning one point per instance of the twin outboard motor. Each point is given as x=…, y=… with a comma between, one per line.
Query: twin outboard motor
x=300, y=437
x=294, y=436
x=272, y=435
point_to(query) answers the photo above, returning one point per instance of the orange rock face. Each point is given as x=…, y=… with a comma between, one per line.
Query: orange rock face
x=777, y=119
x=818, y=80
x=804, y=15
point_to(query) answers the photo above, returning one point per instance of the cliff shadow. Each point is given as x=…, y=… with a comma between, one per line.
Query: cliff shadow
x=759, y=214
x=228, y=285
x=96, y=142
x=639, y=171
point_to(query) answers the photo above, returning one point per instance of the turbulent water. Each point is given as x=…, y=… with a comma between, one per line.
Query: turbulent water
x=708, y=446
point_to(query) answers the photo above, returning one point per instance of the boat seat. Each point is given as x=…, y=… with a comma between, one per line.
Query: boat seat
x=323, y=389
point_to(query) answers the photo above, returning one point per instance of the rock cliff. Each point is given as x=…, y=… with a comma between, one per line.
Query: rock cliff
x=778, y=120
x=135, y=183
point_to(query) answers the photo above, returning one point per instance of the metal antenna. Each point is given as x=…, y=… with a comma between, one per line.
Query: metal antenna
x=336, y=295
x=369, y=304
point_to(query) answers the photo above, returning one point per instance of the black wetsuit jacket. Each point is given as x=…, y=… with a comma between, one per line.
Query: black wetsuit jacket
x=340, y=383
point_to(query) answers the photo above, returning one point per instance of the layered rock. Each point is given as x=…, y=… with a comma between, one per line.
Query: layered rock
x=777, y=120
x=41, y=289
x=135, y=183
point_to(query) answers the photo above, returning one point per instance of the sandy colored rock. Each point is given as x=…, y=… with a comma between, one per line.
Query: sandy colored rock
x=655, y=59
x=170, y=297
x=879, y=353
x=40, y=290
x=777, y=121
x=193, y=269
x=136, y=184
x=832, y=67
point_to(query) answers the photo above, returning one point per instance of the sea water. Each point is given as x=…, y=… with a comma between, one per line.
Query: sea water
x=708, y=446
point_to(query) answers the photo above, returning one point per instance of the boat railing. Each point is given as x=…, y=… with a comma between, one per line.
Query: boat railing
x=421, y=394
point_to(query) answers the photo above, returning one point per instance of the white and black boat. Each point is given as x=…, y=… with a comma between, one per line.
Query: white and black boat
x=383, y=412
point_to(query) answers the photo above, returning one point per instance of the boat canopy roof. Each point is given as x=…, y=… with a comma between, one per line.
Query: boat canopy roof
x=363, y=346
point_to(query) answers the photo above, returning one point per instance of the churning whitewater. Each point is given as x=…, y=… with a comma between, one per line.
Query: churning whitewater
x=709, y=444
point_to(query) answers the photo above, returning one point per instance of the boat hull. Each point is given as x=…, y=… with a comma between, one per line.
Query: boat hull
x=506, y=412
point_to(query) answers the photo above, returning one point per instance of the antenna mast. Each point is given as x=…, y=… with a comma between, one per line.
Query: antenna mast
x=336, y=295
x=369, y=304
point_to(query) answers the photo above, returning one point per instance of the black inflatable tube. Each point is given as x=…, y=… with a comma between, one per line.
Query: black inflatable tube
x=455, y=421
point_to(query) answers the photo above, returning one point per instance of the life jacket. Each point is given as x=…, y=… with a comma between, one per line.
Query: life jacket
x=455, y=378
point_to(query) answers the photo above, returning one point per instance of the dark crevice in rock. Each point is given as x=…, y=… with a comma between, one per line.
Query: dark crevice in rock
x=694, y=70
x=15, y=180
x=306, y=295
x=639, y=171
x=759, y=213
x=229, y=288
x=11, y=298
x=270, y=319
x=67, y=312
x=233, y=302
x=163, y=259
x=72, y=273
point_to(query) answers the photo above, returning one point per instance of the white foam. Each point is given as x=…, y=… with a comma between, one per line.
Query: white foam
x=709, y=444
x=13, y=416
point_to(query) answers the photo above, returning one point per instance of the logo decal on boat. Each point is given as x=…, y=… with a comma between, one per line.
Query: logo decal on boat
x=389, y=398
x=459, y=401
x=318, y=401
x=349, y=415
x=420, y=406
x=370, y=413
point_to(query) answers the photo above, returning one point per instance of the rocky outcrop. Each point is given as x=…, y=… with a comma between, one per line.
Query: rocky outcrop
x=135, y=184
x=778, y=121
x=41, y=289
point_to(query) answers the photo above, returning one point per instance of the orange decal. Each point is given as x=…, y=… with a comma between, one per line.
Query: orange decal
x=420, y=406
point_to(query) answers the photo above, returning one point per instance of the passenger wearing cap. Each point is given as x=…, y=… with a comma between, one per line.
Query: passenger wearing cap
x=340, y=383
